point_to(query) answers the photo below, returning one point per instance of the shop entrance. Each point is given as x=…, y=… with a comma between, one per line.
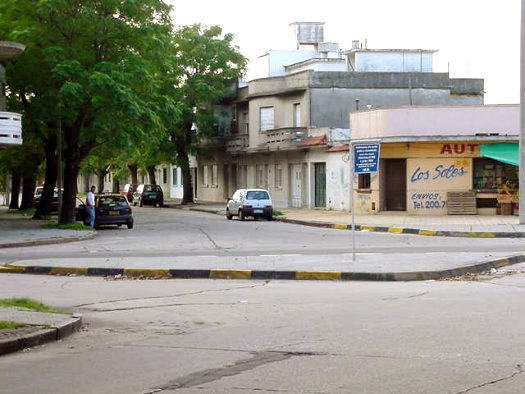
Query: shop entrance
x=393, y=181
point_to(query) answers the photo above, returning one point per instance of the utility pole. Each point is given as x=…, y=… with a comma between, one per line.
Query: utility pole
x=522, y=118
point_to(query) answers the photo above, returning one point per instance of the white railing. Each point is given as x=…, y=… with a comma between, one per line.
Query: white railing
x=10, y=129
x=285, y=138
x=237, y=142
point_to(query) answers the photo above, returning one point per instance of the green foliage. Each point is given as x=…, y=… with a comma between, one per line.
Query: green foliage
x=28, y=303
x=69, y=226
x=26, y=212
x=7, y=324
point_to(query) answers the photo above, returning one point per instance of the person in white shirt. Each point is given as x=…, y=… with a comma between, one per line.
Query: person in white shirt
x=90, y=206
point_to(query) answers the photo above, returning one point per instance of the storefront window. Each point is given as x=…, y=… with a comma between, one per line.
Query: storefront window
x=492, y=175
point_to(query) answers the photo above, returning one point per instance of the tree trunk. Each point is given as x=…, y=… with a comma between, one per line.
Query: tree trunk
x=187, y=185
x=72, y=159
x=100, y=182
x=44, y=206
x=28, y=193
x=116, y=185
x=151, y=173
x=134, y=169
x=72, y=168
x=15, y=191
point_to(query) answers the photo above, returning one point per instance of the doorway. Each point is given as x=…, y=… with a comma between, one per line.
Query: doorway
x=297, y=185
x=394, y=185
x=320, y=184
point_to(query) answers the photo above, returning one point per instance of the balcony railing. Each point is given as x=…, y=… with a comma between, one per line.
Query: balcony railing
x=237, y=142
x=285, y=138
x=10, y=129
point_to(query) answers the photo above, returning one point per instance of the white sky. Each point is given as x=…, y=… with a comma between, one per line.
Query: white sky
x=475, y=38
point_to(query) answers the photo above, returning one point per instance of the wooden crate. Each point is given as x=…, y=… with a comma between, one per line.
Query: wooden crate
x=461, y=203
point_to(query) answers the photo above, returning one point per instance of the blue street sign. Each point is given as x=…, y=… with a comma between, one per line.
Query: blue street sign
x=366, y=158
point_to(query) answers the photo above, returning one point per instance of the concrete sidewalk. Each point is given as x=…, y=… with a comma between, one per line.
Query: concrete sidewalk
x=38, y=328
x=394, y=222
x=17, y=230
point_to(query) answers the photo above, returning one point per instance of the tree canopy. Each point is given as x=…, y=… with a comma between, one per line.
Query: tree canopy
x=113, y=76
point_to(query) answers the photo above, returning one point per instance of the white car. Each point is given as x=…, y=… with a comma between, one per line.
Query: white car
x=250, y=202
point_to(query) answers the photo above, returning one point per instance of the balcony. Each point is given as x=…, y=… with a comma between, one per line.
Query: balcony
x=237, y=143
x=285, y=138
x=10, y=129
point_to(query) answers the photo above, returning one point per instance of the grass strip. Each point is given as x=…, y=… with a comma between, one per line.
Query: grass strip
x=28, y=303
x=7, y=324
x=69, y=226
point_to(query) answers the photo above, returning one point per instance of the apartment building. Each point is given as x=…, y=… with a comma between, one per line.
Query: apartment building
x=289, y=132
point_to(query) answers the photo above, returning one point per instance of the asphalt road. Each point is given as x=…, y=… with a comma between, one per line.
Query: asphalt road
x=164, y=232
x=218, y=336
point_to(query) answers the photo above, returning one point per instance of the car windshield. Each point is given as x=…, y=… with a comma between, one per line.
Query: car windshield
x=112, y=201
x=150, y=188
x=257, y=195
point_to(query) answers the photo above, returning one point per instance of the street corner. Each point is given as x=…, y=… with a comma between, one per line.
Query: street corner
x=37, y=333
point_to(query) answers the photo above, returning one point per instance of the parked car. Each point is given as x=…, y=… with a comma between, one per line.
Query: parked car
x=38, y=196
x=110, y=209
x=129, y=189
x=250, y=202
x=148, y=195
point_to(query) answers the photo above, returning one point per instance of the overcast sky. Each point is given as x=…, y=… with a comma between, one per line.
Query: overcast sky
x=475, y=38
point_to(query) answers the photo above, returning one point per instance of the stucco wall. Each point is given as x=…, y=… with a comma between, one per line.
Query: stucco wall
x=437, y=120
x=331, y=106
x=393, y=61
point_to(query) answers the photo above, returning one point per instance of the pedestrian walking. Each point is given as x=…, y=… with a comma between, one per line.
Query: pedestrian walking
x=90, y=206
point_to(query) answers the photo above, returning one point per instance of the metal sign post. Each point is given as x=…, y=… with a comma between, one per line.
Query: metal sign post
x=364, y=159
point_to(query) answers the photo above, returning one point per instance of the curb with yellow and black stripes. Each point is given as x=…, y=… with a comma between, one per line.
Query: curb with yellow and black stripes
x=412, y=231
x=166, y=273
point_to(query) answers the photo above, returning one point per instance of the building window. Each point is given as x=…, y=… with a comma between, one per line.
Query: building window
x=259, y=176
x=266, y=118
x=174, y=177
x=278, y=176
x=243, y=176
x=297, y=115
x=164, y=175
x=214, y=170
x=491, y=174
x=204, y=176
x=363, y=181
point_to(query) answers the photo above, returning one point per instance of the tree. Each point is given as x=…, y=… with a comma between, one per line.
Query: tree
x=100, y=82
x=205, y=70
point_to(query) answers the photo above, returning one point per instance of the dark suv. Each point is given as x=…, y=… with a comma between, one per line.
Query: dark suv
x=148, y=195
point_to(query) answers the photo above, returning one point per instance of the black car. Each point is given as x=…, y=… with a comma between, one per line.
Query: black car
x=38, y=196
x=110, y=209
x=148, y=195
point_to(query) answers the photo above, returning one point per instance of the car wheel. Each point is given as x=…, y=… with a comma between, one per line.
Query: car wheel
x=130, y=225
x=228, y=214
x=241, y=214
x=269, y=217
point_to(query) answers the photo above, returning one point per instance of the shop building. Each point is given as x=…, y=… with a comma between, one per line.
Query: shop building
x=440, y=160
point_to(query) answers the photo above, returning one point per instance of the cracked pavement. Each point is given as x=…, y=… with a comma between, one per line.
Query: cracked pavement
x=213, y=336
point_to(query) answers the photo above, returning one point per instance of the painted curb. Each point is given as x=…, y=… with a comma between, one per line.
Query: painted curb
x=384, y=229
x=263, y=274
x=48, y=241
x=41, y=336
x=411, y=231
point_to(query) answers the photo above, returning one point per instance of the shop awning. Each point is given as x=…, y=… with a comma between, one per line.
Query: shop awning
x=504, y=152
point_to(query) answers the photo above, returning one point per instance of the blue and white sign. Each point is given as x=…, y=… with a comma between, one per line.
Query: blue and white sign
x=366, y=158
